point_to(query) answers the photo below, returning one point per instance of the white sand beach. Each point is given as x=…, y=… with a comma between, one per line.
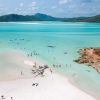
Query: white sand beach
x=24, y=86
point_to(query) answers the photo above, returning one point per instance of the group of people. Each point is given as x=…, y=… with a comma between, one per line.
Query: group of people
x=3, y=98
x=39, y=70
x=54, y=65
x=33, y=53
x=59, y=65
x=35, y=84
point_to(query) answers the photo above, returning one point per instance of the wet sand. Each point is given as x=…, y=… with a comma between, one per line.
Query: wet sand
x=17, y=81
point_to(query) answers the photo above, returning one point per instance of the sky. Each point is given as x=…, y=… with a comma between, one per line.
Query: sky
x=56, y=8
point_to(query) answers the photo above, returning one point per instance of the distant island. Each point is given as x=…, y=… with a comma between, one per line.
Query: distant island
x=44, y=17
x=90, y=56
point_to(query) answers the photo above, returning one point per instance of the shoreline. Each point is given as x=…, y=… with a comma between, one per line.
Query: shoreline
x=93, y=94
x=51, y=83
x=58, y=80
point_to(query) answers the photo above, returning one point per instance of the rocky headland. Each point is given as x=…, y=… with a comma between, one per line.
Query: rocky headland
x=91, y=57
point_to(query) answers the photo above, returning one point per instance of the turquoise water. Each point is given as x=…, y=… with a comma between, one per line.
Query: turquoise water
x=65, y=37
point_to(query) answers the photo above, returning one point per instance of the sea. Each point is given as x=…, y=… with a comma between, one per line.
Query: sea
x=56, y=44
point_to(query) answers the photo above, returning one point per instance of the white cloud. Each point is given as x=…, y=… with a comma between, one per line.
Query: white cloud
x=33, y=6
x=34, y=9
x=33, y=3
x=21, y=4
x=53, y=7
x=63, y=1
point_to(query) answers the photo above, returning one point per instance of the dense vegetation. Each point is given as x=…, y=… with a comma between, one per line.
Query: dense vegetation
x=84, y=19
x=16, y=17
x=44, y=17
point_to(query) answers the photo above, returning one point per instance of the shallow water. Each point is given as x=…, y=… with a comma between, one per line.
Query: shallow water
x=56, y=43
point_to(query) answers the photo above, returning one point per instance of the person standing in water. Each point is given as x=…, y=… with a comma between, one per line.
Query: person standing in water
x=21, y=73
